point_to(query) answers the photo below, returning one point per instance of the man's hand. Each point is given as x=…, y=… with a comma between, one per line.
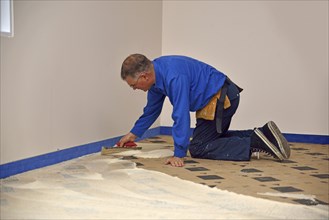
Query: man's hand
x=128, y=137
x=175, y=161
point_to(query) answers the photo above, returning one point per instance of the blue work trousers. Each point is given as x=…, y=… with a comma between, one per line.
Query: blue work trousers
x=228, y=145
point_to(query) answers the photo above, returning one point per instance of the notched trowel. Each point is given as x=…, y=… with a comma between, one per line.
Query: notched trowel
x=116, y=149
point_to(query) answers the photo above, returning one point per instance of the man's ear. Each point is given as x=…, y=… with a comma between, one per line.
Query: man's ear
x=145, y=75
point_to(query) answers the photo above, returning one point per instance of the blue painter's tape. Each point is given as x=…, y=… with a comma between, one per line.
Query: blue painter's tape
x=166, y=130
x=300, y=138
x=36, y=162
x=307, y=138
x=150, y=133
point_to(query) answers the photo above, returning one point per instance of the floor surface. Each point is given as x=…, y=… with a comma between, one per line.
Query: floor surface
x=136, y=184
x=306, y=172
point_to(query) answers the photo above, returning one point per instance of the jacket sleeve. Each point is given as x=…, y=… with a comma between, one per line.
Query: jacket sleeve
x=179, y=95
x=151, y=112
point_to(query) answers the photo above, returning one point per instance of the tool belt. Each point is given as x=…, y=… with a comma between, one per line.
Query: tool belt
x=221, y=99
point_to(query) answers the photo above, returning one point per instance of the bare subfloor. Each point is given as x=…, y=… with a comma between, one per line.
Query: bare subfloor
x=306, y=172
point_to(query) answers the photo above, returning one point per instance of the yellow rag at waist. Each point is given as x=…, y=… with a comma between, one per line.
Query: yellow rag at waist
x=208, y=112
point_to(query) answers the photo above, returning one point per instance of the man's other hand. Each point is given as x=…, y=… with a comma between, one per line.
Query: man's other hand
x=175, y=161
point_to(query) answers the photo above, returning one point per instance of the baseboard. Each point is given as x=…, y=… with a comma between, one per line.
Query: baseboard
x=40, y=161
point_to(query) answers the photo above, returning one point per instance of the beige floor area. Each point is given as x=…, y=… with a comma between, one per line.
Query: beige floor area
x=306, y=172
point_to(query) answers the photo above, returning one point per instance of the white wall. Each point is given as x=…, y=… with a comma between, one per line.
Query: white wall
x=60, y=73
x=60, y=82
x=276, y=50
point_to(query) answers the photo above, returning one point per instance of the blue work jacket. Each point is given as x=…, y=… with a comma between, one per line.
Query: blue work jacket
x=189, y=84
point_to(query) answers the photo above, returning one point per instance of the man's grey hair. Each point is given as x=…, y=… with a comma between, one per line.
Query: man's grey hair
x=134, y=64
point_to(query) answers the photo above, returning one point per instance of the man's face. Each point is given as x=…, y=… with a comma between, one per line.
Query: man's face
x=141, y=82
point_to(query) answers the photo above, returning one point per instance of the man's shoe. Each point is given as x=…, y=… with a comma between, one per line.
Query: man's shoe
x=260, y=143
x=274, y=135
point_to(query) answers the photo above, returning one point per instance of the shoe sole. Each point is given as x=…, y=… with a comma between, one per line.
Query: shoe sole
x=274, y=149
x=280, y=139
